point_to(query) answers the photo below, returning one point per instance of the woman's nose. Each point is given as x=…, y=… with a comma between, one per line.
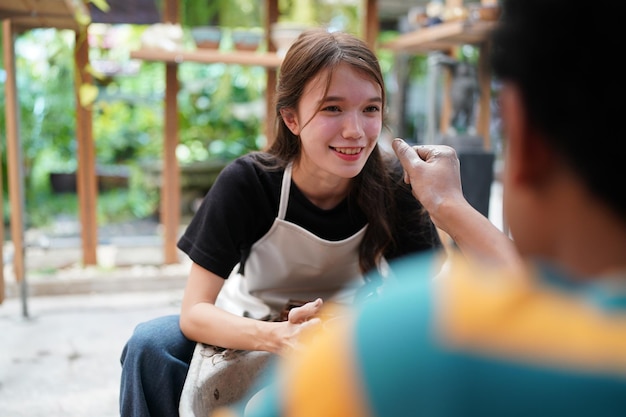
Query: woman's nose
x=353, y=126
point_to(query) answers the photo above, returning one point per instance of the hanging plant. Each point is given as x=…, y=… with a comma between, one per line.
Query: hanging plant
x=87, y=91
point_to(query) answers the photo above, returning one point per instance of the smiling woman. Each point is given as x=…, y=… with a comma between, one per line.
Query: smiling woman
x=303, y=220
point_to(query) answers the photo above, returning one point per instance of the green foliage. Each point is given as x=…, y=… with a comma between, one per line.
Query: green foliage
x=227, y=13
x=216, y=121
x=335, y=16
x=47, y=109
x=117, y=205
x=220, y=116
x=126, y=132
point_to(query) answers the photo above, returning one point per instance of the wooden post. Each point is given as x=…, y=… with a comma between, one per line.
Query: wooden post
x=484, y=107
x=86, y=176
x=170, y=187
x=271, y=17
x=370, y=22
x=446, y=103
x=14, y=161
x=2, y=287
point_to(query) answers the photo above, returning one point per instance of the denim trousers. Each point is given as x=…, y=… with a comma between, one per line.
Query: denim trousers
x=155, y=361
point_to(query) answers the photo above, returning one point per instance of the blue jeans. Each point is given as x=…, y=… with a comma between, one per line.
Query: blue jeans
x=155, y=362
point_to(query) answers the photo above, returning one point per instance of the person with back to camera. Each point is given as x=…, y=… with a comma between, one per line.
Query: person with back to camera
x=542, y=337
x=304, y=220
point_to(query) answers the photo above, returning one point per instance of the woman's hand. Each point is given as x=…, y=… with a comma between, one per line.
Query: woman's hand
x=300, y=321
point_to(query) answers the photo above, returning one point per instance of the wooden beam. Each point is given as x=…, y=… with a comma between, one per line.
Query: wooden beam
x=86, y=176
x=208, y=56
x=30, y=14
x=442, y=37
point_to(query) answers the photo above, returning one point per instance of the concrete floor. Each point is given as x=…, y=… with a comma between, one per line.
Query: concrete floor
x=63, y=361
x=60, y=345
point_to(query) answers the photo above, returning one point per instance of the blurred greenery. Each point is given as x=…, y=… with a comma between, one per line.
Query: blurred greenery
x=221, y=107
x=127, y=120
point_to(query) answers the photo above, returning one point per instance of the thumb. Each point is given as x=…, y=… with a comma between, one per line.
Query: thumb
x=404, y=152
x=407, y=156
x=305, y=312
x=398, y=144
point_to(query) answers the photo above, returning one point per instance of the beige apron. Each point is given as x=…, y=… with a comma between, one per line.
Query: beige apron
x=291, y=263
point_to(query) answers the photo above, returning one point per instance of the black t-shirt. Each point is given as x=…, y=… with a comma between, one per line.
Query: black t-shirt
x=243, y=202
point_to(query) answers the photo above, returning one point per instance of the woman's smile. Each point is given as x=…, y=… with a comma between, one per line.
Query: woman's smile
x=347, y=151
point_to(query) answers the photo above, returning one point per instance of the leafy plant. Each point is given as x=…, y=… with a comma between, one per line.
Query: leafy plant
x=228, y=13
x=219, y=112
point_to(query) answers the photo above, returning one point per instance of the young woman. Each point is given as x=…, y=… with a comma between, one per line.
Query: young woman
x=304, y=220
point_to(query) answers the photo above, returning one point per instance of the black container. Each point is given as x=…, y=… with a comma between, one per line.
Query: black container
x=476, y=169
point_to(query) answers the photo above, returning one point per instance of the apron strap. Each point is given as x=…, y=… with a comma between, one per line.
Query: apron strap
x=284, y=192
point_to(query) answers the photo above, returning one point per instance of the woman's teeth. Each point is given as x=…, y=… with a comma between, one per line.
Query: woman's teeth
x=348, y=151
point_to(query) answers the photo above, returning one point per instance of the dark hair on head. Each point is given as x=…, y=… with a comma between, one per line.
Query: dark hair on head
x=558, y=53
x=318, y=52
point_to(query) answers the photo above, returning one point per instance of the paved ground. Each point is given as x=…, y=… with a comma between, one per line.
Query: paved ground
x=63, y=361
x=60, y=345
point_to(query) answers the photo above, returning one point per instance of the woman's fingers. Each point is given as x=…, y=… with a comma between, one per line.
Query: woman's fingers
x=305, y=312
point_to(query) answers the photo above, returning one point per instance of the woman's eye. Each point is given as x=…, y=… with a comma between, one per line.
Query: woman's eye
x=331, y=108
x=372, y=109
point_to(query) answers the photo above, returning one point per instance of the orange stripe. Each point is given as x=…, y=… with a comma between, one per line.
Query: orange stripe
x=508, y=315
x=223, y=412
x=323, y=379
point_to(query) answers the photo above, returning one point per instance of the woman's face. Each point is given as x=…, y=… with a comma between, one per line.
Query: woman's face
x=337, y=131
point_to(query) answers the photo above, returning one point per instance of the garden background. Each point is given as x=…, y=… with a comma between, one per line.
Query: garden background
x=221, y=109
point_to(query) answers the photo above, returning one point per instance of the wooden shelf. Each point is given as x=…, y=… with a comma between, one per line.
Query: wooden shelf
x=441, y=37
x=59, y=14
x=444, y=37
x=207, y=56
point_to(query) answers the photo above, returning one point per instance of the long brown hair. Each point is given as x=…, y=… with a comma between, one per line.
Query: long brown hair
x=318, y=50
